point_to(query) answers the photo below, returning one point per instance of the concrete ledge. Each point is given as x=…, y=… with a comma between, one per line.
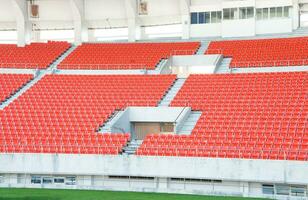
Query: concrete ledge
x=269, y=69
x=100, y=72
x=273, y=171
x=17, y=71
x=185, y=65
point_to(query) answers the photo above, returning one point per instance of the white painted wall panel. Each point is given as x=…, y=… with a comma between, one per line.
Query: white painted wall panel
x=51, y=10
x=205, y=2
x=206, y=8
x=237, y=3
x=161, y=12
x=159, y=20
x=238, y=28
x=57, y=24
x=103, y=9
x=6, y=11
x=274, y=26
x=270, y=3
x=8, y=25
x=163, y=7
x=142, y=183
x=205, y=30
x=121, y=183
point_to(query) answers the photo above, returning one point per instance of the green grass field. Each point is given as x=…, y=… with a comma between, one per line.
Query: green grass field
x=45, y=194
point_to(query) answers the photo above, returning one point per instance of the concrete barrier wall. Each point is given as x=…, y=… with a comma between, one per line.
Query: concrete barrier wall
x=100, y=72
x=194, y=64
x=272, y=171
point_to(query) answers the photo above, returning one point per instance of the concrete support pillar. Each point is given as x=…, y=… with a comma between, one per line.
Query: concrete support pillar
x=91, y=37
x=84, y=181
x=185, y=26
x=132, y=23
x=80, y=25
x=36, y=36
x=12, y=179
x=80, y=32
x=185, y=19
x=295, y=14
x=143, y=35
x=245, y=188
x=23, y=25
x=131, y=30
x=162, y=183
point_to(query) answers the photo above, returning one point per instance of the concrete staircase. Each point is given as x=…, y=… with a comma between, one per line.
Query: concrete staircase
x=132, y=147
x=172, y=92
x=190, y=123
x=106, y=127
x=223, y=67
x=39, y=75
x=203, y=47
x=161, y=64
x=54, y=65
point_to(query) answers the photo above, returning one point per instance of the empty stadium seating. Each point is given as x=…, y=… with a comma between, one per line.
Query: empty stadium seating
x=10, y=83
x=255, y=116
x=33, y=56
x=263, y=52
x=125, y=55
x=62, y=113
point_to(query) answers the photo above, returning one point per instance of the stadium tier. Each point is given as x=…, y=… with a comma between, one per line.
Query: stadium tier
x=33, y=56
x=11, y=83
x=263, y=52
x=257, y=116
x=62, y=113
x=114, y=56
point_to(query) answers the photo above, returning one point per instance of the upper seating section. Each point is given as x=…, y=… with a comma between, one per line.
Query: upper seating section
x=263, y=52
x=61, y=113
x=254, y=116
x=114, y=56
x=32, y=56
x=11, y=83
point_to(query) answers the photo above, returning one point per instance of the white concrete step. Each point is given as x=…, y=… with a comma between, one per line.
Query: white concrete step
x=106, y=127
x=224, y=66
x=132, y=147
x=203, y=47
x=55, y=64
x=167, y=99
x=190, y=123
x=160, y=67
x=161, y=64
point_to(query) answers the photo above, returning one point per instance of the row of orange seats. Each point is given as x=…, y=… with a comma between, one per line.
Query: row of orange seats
x=204, y=93
x=11, y=83
x=246, y=154
x=66, y=107
x=263, y=52
x=63, y=149
x=107, y=56
x=32, y=56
